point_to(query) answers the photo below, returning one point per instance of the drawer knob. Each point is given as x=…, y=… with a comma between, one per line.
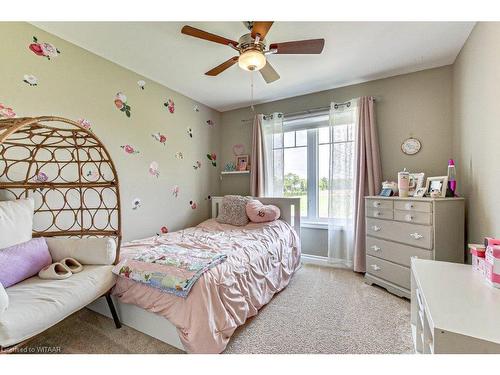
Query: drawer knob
x=375, y=248
x=375, y=267
x=375, y=228
x=376, y=204
x=416, y=236
x=408, y=218
x=409, y=206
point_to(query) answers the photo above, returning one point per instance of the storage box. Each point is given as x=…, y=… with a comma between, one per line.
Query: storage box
x=492, y=265
x=478, y=253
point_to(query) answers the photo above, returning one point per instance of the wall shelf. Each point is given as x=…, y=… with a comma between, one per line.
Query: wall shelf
x=234, y=172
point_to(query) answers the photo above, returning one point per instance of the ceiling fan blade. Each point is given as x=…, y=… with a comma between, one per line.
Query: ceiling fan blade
x=268, y=73
x=220, y=68
x=311, y=46
x=197, y=33
x=261, y=28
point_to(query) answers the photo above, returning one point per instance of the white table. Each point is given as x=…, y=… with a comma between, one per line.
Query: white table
x=453, y=310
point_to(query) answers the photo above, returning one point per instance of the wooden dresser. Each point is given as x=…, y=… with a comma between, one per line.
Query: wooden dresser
x=398, y=229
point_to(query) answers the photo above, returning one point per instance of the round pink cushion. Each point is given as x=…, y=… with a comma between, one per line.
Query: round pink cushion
x=259, y=213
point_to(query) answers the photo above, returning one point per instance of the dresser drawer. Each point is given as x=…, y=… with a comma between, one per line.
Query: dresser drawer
x=379, y=204
x=379, y=213
x=410, y=205
x=391, y=272
x=413, y=217
x=395, y=252
x=411, y=234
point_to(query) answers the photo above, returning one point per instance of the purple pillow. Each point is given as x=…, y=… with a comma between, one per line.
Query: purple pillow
x=24, y=260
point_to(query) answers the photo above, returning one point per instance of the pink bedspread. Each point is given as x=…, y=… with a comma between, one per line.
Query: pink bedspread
x=262, y=258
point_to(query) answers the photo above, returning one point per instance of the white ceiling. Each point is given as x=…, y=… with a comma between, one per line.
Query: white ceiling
x=354, y=52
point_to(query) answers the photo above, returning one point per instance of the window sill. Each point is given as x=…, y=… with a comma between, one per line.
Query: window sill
x=314, y=225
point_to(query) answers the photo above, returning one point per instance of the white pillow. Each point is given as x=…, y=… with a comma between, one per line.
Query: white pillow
x=16, y=221
x=4, y=299
x=101, y=251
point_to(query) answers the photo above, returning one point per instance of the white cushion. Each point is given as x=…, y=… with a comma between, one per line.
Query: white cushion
x=36, y=304
x=16, y=221
x=4, y=300
x=85, y=250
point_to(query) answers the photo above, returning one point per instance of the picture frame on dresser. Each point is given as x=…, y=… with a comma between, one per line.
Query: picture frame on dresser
x=398, y=229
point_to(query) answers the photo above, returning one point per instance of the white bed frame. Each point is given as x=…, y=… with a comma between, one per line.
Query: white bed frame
x=156, y=325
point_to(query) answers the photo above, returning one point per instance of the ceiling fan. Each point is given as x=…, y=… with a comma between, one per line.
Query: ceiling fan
x=252, y=49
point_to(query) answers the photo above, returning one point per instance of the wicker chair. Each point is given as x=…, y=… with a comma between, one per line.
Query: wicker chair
x=68, y=172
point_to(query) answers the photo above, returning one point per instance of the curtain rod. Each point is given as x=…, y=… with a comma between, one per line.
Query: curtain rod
x=312, y=110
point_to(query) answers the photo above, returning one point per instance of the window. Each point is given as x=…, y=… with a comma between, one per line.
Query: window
x=307, y=144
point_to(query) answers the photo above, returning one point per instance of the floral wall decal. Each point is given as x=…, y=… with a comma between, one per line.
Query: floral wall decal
x=196, y=108
x=129, y=149
x=164, y=229
x=154, y=169
x=179, y=155
x=197, y=165
x=170, y=105
x=160, y=138
x=210, y=123
x=6, y=112
x=30, y=79
x=92, y=175
x=41, y=177
x=43, y=49
x=85, y=123
x=238, y=149
x=175, y=191
x=121, y=103
x=141, y=84
x=193, y=205
x=213, y=158
x=136, y=203
x=190, y=132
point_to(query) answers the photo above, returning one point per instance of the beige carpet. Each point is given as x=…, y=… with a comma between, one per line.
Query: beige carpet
x=323, y=310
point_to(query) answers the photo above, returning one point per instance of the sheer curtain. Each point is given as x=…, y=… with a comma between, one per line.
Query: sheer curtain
x=343, y=117
x=272, y=136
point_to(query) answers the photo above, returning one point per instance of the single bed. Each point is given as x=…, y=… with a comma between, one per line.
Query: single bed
x=262, y=259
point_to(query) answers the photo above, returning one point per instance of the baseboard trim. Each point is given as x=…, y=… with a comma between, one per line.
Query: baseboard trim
x=325, y=262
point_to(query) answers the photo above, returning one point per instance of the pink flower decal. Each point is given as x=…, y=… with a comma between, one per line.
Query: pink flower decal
x=213, y=158
x=43, y=49
x=160, y=138
x=175, y=191
x=154, y=169
x=210, y=123
x=129, y=149
x=164, y=230
x=121, y=103
x=170, y=105
x=193, y=205
x=92, y=175
x=84, y=123
x=6, y=112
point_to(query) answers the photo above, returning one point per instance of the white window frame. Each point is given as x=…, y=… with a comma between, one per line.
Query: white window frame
x=312, y=220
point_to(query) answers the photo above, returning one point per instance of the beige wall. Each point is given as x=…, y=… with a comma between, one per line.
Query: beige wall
x=78, y=84
x=476, y=86
x=416, y=104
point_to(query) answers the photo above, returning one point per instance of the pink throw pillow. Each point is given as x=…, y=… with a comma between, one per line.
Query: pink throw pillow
x=260, y=213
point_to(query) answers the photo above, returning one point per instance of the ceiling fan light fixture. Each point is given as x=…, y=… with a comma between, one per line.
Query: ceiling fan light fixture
x=252, y=60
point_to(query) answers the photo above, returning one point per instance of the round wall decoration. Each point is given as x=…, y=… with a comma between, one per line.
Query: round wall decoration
x=411, y=146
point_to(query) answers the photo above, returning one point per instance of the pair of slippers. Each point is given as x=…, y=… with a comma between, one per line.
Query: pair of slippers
x=60, y=270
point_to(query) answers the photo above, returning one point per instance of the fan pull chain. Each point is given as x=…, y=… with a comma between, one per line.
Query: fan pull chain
x=251, y=91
